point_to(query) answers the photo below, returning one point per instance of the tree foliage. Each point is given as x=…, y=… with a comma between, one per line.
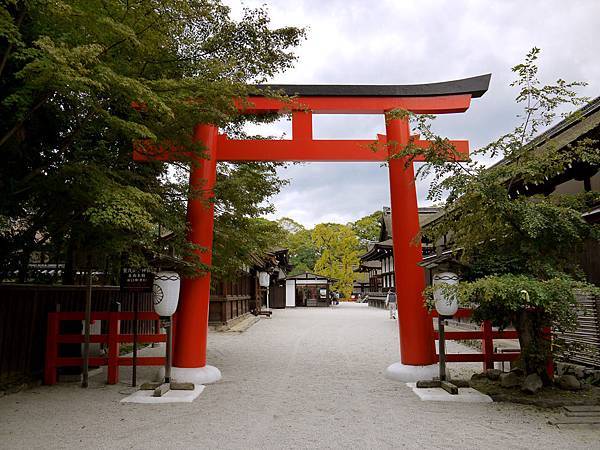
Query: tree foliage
x=367, y=228
x=511, y=242
x=302, y=250
x=337, y=247
x=70, y=71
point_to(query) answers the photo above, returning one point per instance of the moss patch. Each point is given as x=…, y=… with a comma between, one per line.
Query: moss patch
x=547, y=397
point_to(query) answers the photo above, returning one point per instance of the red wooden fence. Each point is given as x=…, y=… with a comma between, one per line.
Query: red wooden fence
x=112, y=338
x=24, y=316
x=486, y=335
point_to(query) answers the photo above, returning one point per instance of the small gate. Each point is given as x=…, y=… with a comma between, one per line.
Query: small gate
x=277, y=296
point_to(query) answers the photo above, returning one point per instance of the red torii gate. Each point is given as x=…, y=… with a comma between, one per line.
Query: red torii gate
x=417, y=345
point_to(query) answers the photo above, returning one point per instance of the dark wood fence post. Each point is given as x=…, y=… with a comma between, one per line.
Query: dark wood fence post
x=51, y=349
x=487, y=345
x=113, y=349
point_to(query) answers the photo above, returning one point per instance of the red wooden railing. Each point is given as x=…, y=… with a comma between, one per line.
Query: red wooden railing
x=486, y=335
x=112, y=339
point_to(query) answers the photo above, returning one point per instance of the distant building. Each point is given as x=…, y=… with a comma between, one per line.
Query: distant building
x=308, y=289
x=579, y=177
x=378, y=261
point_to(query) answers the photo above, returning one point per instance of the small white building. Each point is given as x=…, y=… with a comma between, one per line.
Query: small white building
x=307, y=289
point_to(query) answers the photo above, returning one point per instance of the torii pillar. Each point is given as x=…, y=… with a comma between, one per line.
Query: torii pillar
x=190, y=338
x=417, y=345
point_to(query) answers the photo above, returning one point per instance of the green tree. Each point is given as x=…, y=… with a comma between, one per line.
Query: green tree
x=518, y=250
x=337, y=247
x=302, y=250
x=367, y=228
x=70, y=71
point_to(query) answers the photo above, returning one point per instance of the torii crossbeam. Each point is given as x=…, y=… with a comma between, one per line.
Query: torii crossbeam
x=417, y=345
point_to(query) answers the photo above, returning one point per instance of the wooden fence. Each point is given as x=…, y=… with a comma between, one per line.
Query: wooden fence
x=486, y=335
x=111, y=338
x=376, y=299
x=23, y=322
x=582, y=346
x=223, y=308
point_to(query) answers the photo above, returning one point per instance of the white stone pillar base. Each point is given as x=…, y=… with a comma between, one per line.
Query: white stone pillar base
x=197, y=375
x=407, y=374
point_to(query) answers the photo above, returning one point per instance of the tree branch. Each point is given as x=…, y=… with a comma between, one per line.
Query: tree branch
x=10, y=46
x=20, y=123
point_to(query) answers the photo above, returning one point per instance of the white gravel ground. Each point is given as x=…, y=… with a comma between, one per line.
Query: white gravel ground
x=307, y=378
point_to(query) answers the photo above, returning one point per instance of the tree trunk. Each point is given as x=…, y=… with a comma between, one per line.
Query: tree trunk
x=535, y=346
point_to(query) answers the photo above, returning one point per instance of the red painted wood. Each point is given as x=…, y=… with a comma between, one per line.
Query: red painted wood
x=480, y=357
x=103, y=339
x=124, y=315
x=467, y=335
x=358, y=105
x=113, y=348
x=143, y=338
x=74, y=361
x=302, y=126
x=50, y=364
x=417, y=342
x=487, y=346
x=487, y=335
x=113, y=339
x=460, y=335
x=298, y=149
x=315, y=150
x=189, y=349
x=462, y=312
x=464, y=357
x=417, y=346
x=79, y=338
x=506, y=334
x=143, y=361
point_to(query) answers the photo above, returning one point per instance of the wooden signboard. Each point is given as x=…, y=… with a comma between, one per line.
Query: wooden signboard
x=136, y=280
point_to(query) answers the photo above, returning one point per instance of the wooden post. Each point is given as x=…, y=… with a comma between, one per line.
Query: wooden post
x=135, y=338
x=442, y=345
x=51, y=349
x=417, y=345
x=169, y=350
x=487, y=345
x=547, y=334
x=86, y=341
x=113, y=349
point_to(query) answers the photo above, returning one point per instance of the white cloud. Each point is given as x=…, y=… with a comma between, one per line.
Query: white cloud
x=418, y=41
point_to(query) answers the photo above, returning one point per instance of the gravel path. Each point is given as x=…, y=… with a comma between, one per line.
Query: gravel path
x=306, y=378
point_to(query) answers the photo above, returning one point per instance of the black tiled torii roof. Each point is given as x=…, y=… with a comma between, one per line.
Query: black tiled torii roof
x=476, y=86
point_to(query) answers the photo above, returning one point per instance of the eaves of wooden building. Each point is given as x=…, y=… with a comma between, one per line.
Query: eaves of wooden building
x=378, y=261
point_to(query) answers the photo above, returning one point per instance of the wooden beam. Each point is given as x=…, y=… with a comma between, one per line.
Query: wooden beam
x=315, y=150
x=357, y=105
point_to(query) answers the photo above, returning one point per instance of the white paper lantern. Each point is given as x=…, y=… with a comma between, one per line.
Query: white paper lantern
x=446, y=305
x=263, y=279
x=165, y=293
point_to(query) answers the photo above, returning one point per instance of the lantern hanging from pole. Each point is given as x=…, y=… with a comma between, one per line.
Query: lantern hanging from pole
x=446, y=304
x=263, y=279
x=165, y=293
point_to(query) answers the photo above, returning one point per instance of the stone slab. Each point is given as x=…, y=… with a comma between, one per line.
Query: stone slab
x=575, y=420
x=465, y=395
x=583, y=414
x=169, y=397
x=583, y=408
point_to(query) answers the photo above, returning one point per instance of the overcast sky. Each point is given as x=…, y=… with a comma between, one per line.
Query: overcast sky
x=411, y=42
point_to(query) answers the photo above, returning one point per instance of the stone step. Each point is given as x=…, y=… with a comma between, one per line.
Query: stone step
x=583, y=414
x=575, y=420
x=583, y=408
